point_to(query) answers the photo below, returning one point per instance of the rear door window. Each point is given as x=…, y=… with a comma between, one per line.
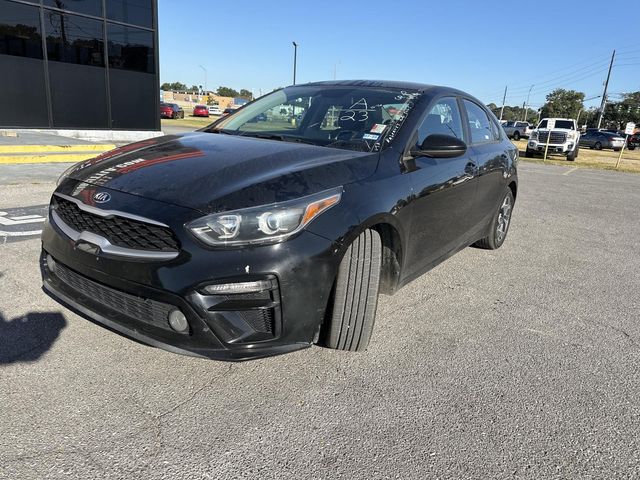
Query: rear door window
x=481, y=127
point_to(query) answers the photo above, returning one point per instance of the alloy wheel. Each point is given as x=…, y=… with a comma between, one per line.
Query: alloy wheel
x=504, y=217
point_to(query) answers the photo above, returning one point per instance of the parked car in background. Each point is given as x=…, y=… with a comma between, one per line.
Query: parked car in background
x=171, y=110
x=634, y=141
x=602, y=139
x=562, y=139
x=239, y=241
x=227, y=111
x=517, y=130
x=214, y=110
x=200, y=111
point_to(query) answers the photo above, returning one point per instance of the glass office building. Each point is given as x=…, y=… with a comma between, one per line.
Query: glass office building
x=79, y=64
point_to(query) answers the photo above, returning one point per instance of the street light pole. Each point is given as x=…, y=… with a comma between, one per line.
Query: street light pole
x=504, y=98
x=205, y=77
x=295, y=60
x=526, y=108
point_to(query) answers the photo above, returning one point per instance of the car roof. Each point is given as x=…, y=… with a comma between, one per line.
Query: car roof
x=421, y=87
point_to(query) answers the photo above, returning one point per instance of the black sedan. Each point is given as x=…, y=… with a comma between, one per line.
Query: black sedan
x=249, y=239
x=602, y=139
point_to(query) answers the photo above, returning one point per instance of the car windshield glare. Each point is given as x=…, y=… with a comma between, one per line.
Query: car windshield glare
x=347, y=117
x=565, y=124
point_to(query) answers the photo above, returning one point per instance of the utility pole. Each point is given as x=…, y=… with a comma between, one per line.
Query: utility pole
x=205, y=78
x=603, y=104
x=526, y=110
x=295, y=60
x=504, y=99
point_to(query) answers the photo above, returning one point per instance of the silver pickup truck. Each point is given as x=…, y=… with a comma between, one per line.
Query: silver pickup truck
x=517, y=130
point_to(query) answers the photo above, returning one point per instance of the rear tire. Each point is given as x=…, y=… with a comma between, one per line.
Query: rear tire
x=355, y=297
x=598, y=146
x=499, y=225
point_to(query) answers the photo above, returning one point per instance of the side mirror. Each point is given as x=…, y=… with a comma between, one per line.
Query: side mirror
x=440, y=146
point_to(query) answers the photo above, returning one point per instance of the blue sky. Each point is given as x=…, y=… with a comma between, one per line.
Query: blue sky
x=478, y=47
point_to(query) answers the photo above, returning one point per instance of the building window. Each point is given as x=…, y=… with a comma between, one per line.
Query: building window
x=88, y=7
x=20, y=30
x=130, y=48
x=74, y=39
x=135, y=12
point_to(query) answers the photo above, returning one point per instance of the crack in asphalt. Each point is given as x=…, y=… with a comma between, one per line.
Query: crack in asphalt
x=156, y=421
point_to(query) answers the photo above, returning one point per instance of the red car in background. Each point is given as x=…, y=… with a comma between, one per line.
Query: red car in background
x=171, y=110
x=200, y=111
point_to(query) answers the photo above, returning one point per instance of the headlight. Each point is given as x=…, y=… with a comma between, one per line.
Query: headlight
x=534, y=135
x=571, y=135
x=264, y=224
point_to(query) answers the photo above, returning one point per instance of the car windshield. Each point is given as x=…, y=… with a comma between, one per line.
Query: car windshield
x=347, y=117
x=566, y=124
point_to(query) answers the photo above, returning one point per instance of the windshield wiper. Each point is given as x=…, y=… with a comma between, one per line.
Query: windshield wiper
x=275, y=136
x=221, y=130
x=266, y=136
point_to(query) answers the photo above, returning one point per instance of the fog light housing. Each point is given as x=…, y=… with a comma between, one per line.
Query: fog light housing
x=238, y=287
x=178, y=321
x=51, y=264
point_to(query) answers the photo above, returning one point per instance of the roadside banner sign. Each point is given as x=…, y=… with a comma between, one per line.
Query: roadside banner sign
x=630, y=128
x=551, y=123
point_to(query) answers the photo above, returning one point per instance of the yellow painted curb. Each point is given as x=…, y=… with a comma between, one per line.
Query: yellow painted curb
x=56, y=158
x=56, y=148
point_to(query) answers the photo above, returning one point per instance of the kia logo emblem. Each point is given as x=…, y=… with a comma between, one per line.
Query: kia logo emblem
x=101, y=197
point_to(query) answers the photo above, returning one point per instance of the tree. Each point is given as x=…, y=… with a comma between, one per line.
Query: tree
x=513, y=113
x=227, y=92
x=563, y=104
x=175, y=86
x=617, y=114
x=244, y=93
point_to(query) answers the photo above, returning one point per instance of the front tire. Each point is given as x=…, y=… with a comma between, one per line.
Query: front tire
x=516, y=135
x=499, y=225
x=571, y=156
x=355, y=297
x=528, y=153
x=598, y=146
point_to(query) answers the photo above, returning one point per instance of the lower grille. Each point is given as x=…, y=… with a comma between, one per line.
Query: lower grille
x=260, y=320
x=556, y=137
x=145, y=310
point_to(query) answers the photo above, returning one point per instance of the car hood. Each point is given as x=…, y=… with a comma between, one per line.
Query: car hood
x=216, y=172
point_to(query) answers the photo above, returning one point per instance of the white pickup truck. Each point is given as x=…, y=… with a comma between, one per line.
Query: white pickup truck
x=517, y=130
x=563, y=138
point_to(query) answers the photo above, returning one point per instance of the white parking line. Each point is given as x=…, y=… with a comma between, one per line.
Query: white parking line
x=7, y=221
x=570, y=170
x=19, y=234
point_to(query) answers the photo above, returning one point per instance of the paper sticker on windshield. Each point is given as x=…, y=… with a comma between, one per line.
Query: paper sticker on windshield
x=378, y=128
x=369, y=136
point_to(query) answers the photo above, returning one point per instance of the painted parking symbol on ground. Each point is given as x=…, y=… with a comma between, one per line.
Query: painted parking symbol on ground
x=22, y=223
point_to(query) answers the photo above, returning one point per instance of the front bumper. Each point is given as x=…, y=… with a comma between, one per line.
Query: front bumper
x=562, y=148
x=134, y=297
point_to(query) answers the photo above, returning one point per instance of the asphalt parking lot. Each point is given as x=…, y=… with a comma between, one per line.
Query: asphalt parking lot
x=518, y=363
